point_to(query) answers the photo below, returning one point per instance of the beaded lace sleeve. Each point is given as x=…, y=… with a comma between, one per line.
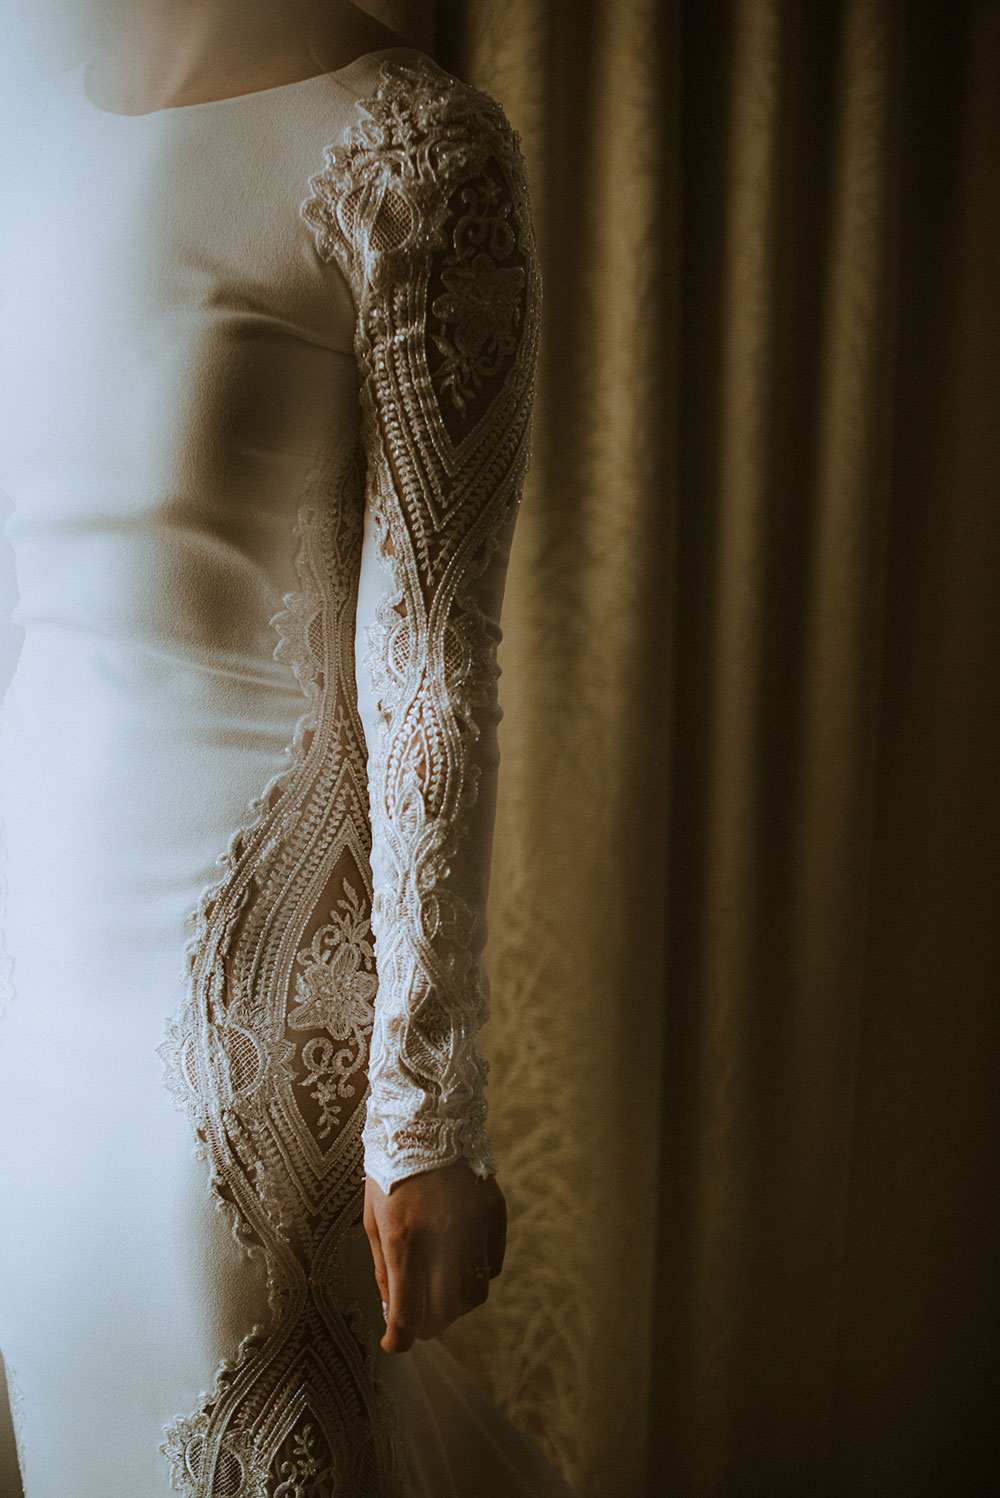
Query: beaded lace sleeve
x=425, y=208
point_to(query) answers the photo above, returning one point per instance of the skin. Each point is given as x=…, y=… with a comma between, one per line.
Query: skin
x=431, y=1229
x=426, y=1235
x=175, y=52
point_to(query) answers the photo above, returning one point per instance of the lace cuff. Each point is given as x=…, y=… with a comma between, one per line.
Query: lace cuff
x=425, y=209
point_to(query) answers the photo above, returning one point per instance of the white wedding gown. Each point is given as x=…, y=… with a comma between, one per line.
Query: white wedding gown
x=266, y=370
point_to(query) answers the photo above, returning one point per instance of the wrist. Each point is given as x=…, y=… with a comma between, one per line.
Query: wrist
x=415, y=1146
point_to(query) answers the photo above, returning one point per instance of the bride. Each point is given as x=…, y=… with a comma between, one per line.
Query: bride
x=269, y=319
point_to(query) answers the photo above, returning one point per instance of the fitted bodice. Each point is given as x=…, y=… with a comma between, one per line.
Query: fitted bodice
x=175, y=363
x=266, y=370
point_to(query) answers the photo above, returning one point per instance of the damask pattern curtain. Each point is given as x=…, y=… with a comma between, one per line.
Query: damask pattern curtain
x=744, y=938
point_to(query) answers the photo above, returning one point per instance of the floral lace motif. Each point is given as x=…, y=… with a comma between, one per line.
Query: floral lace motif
x=336, y=993
x=425, y=209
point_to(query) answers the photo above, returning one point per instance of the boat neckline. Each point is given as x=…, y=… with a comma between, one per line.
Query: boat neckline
x=336, y=75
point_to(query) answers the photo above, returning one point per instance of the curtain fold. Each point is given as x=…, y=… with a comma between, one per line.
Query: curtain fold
x=578, y=891
x=744, y=942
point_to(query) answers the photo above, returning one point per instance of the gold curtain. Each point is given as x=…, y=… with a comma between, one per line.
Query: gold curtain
x=745, y=914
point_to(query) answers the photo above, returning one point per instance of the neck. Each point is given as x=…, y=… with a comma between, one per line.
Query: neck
x=178, y=51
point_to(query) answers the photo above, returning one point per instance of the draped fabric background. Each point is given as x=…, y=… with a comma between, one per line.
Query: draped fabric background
x=744, y=944
x=744, y=938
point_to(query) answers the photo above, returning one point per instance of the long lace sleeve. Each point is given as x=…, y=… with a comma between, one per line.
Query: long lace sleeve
x=425, y=208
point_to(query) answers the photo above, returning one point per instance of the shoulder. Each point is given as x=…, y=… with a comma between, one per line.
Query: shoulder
x=406, y=92
x=417, y=136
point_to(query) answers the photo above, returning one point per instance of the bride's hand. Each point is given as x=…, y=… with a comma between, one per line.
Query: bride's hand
x=437, y=1239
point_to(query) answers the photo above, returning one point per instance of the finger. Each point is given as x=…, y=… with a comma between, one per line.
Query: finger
x=406, y=1271
x=370, y=1219
x=458, y=1283
x=378, y=1258
x=476, y=1277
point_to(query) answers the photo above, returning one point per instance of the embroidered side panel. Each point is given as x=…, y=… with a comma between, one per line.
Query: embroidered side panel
x=425, y=209
x=268, y=1058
